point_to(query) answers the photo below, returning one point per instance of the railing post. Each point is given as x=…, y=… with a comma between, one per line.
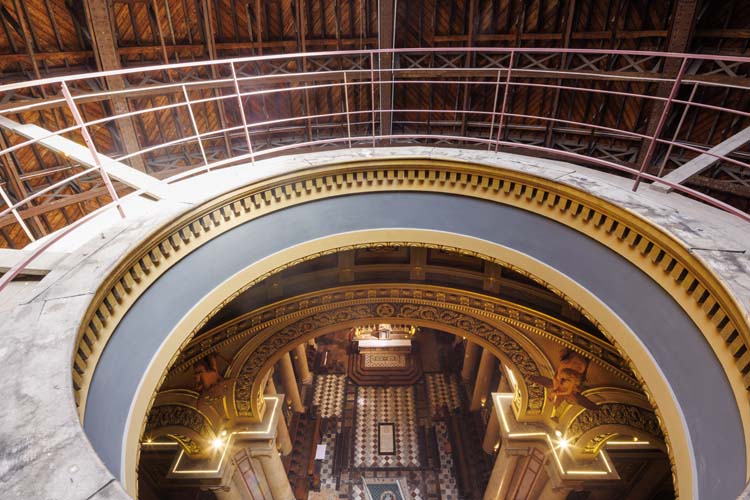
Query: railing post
x=195, y=127
x=16, y=214
x=372, y=93
x=90, y=143
x=242, y=114
x=505, y=100
x=660, y=125
x=494, y=107
x=346, y=101
x=677, y=130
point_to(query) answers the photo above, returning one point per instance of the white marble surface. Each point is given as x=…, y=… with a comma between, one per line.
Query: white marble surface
x=45, y=454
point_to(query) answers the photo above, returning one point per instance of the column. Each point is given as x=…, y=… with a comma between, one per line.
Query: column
x=471, y=356
x=290, y=383
x=232, y=486
x=492, y=434
x=231, y=492
x=487, y=368
x=238, y=483
x=501, y=478
x=270, y=389
x=300, y=364
x=273, y=469
x=551, y=491
x=283, y=440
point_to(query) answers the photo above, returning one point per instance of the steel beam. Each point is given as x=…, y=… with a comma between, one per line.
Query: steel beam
x=683, y=22
x=702, y=162
x=386, y=33
x=120, y=171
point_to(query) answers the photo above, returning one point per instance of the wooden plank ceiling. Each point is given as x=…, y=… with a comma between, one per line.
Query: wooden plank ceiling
x=48, y=38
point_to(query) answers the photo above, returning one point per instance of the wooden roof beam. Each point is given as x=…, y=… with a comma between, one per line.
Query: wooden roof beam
x=52, y=206
x=28, y=41
x=386, y=35
x=209, y=39
x=472, y=9
x=13, y=175
x=108, y=59
x=569, y=16
x=300, y=19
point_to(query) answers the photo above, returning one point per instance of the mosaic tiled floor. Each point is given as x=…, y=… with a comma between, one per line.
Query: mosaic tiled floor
x=410, y=488
x=385, y=404
x=384, y=360
x=448, y=487
x=327, y=479
x=329, y=394
x=386, y=489
x=442, y=390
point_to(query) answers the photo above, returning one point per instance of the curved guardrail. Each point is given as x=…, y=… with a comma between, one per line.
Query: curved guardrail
x=365, y=82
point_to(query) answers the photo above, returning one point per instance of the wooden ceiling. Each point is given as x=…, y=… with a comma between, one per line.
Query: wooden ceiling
x=48, y=38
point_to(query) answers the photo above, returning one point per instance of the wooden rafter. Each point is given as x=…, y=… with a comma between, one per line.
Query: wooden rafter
x=39, y=38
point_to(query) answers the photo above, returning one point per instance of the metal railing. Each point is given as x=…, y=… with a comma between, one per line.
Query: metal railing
x=368, y=85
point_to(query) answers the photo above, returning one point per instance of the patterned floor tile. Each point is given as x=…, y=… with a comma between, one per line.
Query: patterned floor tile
x=328, y=395
x=385, y=405
x=327, y=479
x=447, y=481
x=442, y=390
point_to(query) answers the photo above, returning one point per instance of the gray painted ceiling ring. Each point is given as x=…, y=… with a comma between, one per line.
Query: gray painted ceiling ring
x=647, y=309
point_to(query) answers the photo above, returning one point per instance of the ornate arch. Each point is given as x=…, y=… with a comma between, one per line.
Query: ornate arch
x=182, y=423
x=382, y=304
x=619, y=412
x=263, y=335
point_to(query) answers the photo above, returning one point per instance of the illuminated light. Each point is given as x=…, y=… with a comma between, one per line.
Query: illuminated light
x=557, y=448
x=204, y=471
x=218, y=443
x=527, y=434
x=592, y=472
x=554, y=454
x=149, y=441
x=502, y=413
x=628, y=443
x=270, y=421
